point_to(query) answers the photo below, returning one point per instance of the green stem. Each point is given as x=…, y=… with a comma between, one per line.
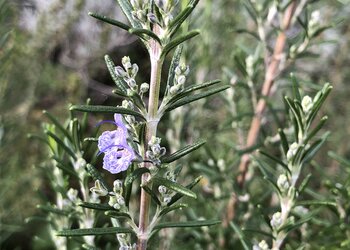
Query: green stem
x=151, y=130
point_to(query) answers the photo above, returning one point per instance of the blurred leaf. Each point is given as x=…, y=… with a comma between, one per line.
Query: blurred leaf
x=178, y=40
x=117, y=214
x=178, y=196
x=110, y=21
x=135, y=174
x=97, y=176
x=174, y=186
x=181, y=17
x=95, y=206
x=128, y=9
x=182, y=152
x=106, y=109
x=195, y=97
x=57, y=124
x=172, y=208
x=142, y=32
x=240, y=235
x=152, y=194
x=93, y=231
x=174, y=63
x=62, y=144
x=199, y=223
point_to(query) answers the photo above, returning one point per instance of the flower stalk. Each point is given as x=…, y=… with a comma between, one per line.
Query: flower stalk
x=151, y=131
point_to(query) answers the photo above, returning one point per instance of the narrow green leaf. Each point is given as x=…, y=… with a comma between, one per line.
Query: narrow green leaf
x=240, y=235
x=199, y=223
x=316, y=129
x=313, y=149
x=174, y=63
x=66, y=169
x=195, y=97
x=178, y=196
x=318, y=203
x=62, y=144
x=339, y=159
x=304, y=183
x=322, y=96
x=255, y=231
x=172, y=208
x=75, y=127
x=174, y=186
x=178, y=40
x=284, y=141
x=181, y=17
x=295, y=87
x=93, y=231
x=152, y=194
x=142, y=33
x=296, y=113
x=276, y=160
x=50, y=209
x=135, y=174
x=96, y=206
x=106, y=109
x=127, y=10
x=97, y=176
x=187, y=91
x=57, y=124
x=182, y=152
x=110, y=21
x=122, y=88
x=273, y=184
x=116, y=214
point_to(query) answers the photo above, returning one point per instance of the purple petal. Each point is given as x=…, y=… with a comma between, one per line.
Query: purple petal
x=118, y=118
x=111, y=138
x=118, y=160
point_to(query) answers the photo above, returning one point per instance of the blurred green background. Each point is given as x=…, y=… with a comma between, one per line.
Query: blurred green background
x=51, y=55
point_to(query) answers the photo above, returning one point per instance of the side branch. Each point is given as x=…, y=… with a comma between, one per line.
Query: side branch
x=272, y=71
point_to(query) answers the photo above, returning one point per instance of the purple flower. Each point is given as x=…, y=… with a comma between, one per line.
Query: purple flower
x=118, y=159
x=118, y=154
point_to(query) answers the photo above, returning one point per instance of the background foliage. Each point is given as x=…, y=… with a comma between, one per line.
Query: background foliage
x=47, y=63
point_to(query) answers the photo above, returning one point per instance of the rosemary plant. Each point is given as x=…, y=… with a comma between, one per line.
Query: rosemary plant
x=133, y=149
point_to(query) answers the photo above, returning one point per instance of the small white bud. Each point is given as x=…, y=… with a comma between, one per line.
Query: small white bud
x=263, y=245
x=117, y=185
x=120, y=71
x=292, y=150
x=181, y=80
x=162, y=189
x=174, y=89
x=144, y=87
x=121, y=201
x=283, y=183
x=307, y=104
x=178, y=70
x=276, y=220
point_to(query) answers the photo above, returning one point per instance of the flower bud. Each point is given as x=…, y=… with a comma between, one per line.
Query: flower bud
x=120, y=71
x=117, y=186
x=181, y=80
x=152, y=18
x=178, y=70
x=99, y=189
x=276, y=220
x=126, y=62
x=144, y=87
x=162, y=189
x=307, y=104
x=121, y=201
x=283, y=183
x=292, y=151
x=174, y=89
